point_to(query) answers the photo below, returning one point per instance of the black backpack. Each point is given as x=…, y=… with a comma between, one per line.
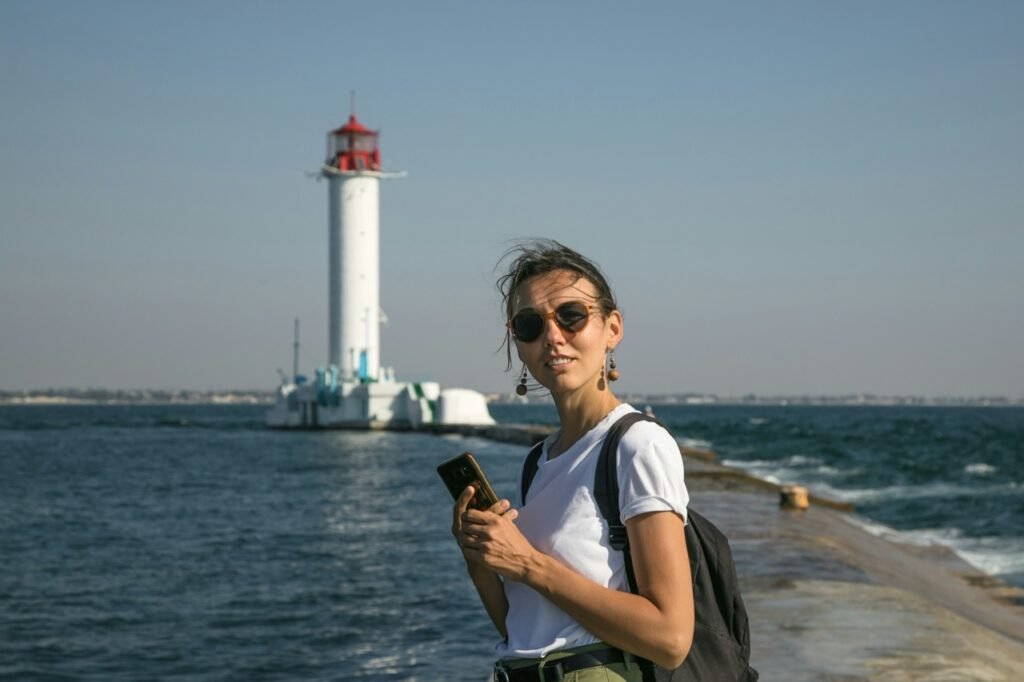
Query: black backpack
x=721, y=634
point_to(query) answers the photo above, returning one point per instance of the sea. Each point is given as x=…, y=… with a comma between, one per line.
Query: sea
x=187, y=542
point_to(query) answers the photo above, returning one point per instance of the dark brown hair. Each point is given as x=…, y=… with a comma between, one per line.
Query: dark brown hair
x=539, y=257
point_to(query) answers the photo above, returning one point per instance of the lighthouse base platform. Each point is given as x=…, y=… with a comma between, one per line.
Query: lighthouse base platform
x=376, y=405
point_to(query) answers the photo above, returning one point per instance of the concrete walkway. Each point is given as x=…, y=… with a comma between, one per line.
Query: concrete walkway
x=830, y=601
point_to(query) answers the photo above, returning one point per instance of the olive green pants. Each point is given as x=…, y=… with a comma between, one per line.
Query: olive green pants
x=614, y=672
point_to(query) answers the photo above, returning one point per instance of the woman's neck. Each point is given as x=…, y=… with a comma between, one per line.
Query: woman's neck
x=577, y=415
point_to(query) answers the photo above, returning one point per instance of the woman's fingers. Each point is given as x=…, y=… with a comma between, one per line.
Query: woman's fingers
x=500, y=507
x=474, y=524
x=465, y=498
x=476, y=520
x=459, y=508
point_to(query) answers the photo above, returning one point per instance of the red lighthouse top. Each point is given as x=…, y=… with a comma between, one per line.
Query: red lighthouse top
x=353, y=147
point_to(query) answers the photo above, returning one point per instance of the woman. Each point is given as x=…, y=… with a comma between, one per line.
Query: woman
x=546, y=575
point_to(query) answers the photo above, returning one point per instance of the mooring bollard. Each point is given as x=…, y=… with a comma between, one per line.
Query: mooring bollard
x=793, y=497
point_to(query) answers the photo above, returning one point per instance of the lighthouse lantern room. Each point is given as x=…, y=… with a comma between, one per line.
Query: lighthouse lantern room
x=353, y=147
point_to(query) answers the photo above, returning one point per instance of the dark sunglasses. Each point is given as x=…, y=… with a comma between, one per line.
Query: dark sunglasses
x=527, y=325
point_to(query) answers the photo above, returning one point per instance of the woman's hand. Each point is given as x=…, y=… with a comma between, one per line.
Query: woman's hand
x=490, y=539
x=460, y=507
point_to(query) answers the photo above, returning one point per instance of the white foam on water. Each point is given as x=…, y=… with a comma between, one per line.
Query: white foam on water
x=992, y=555
x=915, y=492
x=749, y=463
x=695, y=443
x=980, y=469
x=794, y=469
x=995, y=556
x=801, y=460
x=767, y=470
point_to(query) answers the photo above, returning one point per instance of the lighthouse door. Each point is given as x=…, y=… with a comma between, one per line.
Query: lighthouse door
x=363, y=373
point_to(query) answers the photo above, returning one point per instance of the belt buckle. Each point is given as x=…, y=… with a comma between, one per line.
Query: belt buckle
x=554, y=666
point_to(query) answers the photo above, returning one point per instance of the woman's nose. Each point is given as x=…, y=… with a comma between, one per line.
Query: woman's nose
x=553, y=334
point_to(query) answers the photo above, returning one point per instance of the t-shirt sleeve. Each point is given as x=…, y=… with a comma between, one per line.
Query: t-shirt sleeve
x=650, y=473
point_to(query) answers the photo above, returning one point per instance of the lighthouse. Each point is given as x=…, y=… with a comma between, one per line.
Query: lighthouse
x=353, y=174
x=353, y=390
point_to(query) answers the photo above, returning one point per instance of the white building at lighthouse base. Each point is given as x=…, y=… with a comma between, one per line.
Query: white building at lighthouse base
x=326, y=404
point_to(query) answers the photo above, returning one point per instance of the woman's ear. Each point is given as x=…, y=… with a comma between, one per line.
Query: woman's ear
x=614, y=326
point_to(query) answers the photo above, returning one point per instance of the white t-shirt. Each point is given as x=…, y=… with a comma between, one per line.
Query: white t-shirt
x=561, y=519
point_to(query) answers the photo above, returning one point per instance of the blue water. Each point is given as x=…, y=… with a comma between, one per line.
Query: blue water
x=187, y=542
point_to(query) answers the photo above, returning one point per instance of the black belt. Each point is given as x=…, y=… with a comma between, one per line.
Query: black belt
x=556, y=669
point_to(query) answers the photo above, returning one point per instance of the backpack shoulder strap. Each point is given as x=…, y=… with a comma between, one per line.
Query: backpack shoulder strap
x=606, y=480
x=606, y=489
x=530, y=470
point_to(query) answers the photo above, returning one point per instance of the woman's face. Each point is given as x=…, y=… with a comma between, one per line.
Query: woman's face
x=564, y=361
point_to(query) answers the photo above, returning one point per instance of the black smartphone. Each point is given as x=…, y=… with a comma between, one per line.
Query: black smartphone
x=458, y=472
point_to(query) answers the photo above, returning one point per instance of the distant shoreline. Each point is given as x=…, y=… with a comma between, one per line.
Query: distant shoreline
x=90, y=396
x=132, y=397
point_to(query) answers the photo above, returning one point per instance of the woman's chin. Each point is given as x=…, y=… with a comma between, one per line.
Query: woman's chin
x=564, y=385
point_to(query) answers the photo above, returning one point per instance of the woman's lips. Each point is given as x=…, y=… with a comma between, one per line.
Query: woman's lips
x=558, y=363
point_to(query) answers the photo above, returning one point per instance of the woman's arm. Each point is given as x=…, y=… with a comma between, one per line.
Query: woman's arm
x=488, y=584
x=492, y=595
x=656, y=624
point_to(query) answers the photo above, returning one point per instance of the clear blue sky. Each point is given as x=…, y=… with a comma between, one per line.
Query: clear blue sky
x=791, y=197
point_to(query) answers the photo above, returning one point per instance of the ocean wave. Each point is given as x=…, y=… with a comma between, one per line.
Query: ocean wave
x=767, y=469
x=784, y=475
x=794, y=469
x=995, y=556
x=980, y=469
x=998, y=556
x=796, y=460
x=915, y=492
x=901, y=492
x=695, y=443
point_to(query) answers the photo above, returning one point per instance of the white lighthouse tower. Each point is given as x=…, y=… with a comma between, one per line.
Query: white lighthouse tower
x=353, y=174
x=353, y=390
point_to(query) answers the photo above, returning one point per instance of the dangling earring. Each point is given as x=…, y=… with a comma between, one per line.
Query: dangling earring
x=521, y=388
x=613, y=374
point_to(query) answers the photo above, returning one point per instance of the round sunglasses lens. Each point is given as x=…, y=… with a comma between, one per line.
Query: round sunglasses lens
x=527, y=326
x=571, y=316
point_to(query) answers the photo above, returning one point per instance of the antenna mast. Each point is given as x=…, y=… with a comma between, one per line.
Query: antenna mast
x=295, y=355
